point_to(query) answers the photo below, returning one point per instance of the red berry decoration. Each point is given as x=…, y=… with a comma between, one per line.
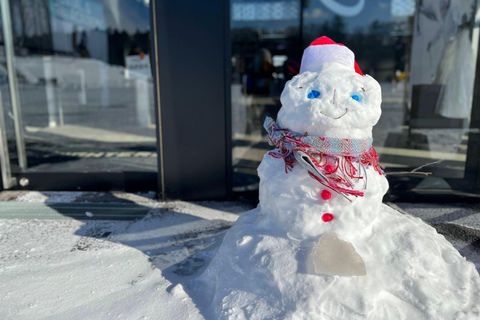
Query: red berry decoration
x=325, y=194
x=329, y=168
x=327, y=217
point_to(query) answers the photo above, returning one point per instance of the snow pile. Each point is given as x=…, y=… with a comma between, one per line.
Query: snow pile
x=288, y=259
x=47, y=272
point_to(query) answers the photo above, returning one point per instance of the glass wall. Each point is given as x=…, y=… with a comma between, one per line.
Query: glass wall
x=84, y=86
x=423, y=54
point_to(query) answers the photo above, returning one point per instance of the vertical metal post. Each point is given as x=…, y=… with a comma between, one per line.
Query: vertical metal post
x=190, y=80
x=60, y=101
x=472, y=163
x=12, y=77
x=7, y=179
x=50, y=91
x=228, y=99
x=158, y=109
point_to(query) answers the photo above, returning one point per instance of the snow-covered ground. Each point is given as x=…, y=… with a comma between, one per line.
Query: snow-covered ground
x=70, y=269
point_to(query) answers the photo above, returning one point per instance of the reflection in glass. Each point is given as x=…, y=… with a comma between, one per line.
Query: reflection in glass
x=422, y=53
x=265, y=54
x=85, y=85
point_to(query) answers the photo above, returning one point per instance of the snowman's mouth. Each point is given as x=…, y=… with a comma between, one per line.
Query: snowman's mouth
x=346, y=110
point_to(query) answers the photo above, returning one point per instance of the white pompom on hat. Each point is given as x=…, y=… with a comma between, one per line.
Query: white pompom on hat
x=325, y=50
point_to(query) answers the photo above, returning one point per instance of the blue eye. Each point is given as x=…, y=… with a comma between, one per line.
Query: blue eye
x=355, y=97
x=313, y=94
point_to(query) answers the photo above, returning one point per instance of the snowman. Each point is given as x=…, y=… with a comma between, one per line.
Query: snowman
x=320, y=244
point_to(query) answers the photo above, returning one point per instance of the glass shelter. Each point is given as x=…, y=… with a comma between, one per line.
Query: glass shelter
x=171, y=96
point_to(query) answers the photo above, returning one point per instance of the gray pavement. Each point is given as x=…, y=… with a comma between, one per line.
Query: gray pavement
x=459, y=220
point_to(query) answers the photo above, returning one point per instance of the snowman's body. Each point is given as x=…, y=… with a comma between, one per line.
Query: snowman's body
x=266, y=266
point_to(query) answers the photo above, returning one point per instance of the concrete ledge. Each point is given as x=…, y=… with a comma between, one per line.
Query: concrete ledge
x=78, y=211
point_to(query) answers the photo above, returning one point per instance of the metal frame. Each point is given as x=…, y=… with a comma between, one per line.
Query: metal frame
x=191, y=53
x=49, y=181
x=472, y=164
x=12, y=83
x=228, y=100
x=90, y=181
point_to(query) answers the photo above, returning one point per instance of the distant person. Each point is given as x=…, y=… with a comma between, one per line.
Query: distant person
x=81, y=49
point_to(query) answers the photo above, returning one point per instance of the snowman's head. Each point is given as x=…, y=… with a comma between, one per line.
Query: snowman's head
x=330, y=99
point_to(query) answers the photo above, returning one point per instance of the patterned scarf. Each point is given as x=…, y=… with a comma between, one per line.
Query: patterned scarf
x=335, y=163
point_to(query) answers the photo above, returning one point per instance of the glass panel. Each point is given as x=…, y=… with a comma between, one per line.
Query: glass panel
x=422, y=54
x=444, y=49
x=265, y=54
x=85, y=85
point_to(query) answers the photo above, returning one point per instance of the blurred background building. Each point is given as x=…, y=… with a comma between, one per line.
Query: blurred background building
x=171, y=97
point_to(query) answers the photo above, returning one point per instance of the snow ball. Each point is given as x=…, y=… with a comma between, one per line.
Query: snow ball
x=333, y=113
x=178, y=290
x=89, y=214
x=448, y=256
x=244, y=241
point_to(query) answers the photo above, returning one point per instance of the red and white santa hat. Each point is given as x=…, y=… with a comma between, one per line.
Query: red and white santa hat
x=325, y=50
